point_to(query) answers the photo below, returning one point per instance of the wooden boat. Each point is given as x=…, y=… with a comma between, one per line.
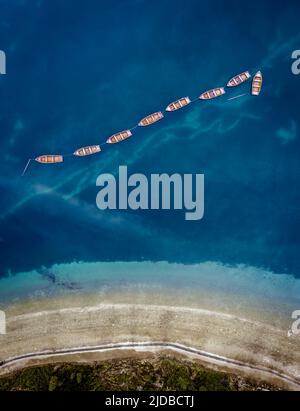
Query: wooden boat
x=151, y=119
x=178, y=104
x=87, y=151
x=240, y=78
x=215, y=92
x=50, y=159
x=116, y=138
x=256, y=84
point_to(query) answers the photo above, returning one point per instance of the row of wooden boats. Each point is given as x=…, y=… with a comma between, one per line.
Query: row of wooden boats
x=153, y=118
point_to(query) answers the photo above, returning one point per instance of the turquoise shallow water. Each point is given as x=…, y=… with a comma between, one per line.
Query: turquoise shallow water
x=245, y=291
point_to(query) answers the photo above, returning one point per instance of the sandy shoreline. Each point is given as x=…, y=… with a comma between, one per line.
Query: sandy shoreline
x=239, y=313
x=68, y=325
x=276, y=315
x=244, y=291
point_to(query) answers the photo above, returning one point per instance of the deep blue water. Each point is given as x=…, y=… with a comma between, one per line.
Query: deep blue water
x=78, y=71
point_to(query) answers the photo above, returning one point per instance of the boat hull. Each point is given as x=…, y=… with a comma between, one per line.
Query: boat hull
x=49, y=159
x=153, y=118
x=87, y=151
x=210, y=94
x=239, y=79
x=256, y=84
x=176, y=105
x=118, y=137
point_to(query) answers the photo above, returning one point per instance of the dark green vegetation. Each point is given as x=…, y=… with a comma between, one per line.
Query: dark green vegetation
x=161, y=373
